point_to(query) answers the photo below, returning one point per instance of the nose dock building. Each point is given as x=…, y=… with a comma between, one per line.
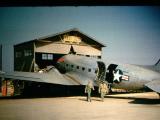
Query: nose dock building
x=45, y=51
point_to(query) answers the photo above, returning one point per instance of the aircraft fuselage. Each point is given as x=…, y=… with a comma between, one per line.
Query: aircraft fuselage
x=125, y=76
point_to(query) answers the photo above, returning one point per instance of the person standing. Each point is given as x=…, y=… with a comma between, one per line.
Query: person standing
x=103, y=89
x=88, y=89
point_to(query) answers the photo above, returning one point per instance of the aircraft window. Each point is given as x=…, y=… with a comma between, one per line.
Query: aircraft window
x=67, y=65
x=83, y=68
x=72, y=66
x=89, y=70
x=77, y=67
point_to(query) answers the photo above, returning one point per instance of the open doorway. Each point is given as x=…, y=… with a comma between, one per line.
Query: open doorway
x=101, y=73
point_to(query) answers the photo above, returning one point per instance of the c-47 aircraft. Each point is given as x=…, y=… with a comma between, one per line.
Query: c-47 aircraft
x=78, y=70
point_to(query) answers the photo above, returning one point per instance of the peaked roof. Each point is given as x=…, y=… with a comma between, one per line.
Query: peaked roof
x=72, y=31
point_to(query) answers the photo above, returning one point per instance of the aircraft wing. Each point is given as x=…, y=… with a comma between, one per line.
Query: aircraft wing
x=80, y=79
x=154, y=85
x=53, y=77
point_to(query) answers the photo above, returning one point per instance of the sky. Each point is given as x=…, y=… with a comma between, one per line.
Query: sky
x=131, y=33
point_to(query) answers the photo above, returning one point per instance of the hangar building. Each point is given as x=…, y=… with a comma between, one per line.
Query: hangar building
x=47, y=50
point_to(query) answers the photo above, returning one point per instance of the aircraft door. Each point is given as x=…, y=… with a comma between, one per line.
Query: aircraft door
x=110, y=75
x=101, y=72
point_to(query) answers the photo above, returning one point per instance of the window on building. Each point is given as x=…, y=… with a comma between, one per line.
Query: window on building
x=44, y=56
x=47, y=56
x=50, y=57
x=18, y=54
x=27, y=52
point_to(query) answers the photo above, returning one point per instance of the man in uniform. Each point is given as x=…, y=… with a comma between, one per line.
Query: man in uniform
x=103, y=89
x=88, y=89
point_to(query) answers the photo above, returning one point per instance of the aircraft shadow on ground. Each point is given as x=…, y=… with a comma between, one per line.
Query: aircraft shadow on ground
x=145, y=101
x=138, y=100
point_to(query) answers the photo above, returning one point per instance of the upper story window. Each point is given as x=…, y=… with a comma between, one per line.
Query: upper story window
x=50, y=57
x=27, y=52
x=18, y=54
x=44, y=56
x=47, y=56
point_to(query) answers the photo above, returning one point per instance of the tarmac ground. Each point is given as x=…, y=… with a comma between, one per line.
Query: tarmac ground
x=132, y=106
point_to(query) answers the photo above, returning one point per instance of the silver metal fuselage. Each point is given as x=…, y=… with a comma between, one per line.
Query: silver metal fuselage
x=138, y=76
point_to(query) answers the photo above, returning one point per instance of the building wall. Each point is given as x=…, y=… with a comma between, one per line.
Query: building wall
x=27, y=54
x=24, y=57
x=53, y=48
x=47, y=51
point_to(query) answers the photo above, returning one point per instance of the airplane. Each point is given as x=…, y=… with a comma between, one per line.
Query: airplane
x=72, y=69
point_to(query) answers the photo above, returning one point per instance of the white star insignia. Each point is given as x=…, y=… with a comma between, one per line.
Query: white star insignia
x=117, y=76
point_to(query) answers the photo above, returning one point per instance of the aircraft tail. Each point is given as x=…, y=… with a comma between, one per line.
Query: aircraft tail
x=157, y=66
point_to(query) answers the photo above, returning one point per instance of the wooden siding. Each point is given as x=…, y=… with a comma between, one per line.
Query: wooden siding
x=65, y=49
x=54, y=48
